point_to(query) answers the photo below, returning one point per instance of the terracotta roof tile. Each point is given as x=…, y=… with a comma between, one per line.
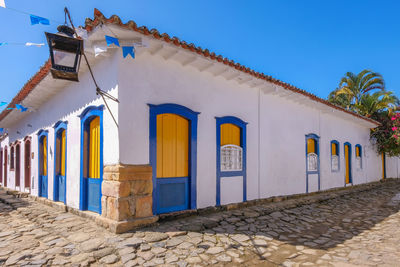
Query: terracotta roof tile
x=99, y=18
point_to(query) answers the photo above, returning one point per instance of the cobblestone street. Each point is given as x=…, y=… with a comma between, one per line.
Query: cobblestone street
x=361, y=228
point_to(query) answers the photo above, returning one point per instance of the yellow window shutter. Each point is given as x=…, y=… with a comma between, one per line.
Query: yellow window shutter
x=230, y=134
x=334, y=149
x=311, y=146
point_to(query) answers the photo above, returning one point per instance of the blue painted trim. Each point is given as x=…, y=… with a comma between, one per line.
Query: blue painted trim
x=86, y=117
x=190, y=115
x=90, y=109
x=174, y=180
x=350, y=163
x=316, y=138
x=337, y=153
x=242, y=125
x=361, y=155
x=41, y=134
x=58, y=127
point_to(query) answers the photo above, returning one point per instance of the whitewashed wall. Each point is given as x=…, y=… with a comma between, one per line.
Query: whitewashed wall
x=67, y=106
x=276, y=130
x=281, y=131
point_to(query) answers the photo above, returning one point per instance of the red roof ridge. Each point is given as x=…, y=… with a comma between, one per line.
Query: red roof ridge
x=99, y=18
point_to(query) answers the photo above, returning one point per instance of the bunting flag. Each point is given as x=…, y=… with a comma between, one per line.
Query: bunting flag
x=39, y=20
x=111, y=40
x=2, y=103
x=99, y=49
x=34, y=44
x=21, y=107
x=10, y=108
x=1, y=44
x=128, y=50
x=2, y=3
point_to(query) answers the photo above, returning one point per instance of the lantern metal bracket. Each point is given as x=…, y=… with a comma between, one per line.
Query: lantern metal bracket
x=98, y=90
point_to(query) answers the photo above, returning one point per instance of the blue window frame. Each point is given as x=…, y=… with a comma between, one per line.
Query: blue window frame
x=359, y=156
x=60, y=181
x=43, y=176
x=335, y=151
x=90, y=188
x=312, y=160
x=184, y=188
x=242, y=125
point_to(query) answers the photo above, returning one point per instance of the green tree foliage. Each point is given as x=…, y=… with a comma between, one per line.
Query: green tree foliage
x=365, y=94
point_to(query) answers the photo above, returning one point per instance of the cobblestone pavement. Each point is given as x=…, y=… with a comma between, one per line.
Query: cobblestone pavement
x=355, y=229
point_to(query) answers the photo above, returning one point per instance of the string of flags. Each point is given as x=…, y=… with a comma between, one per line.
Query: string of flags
x=110, y=40
x=35, y=20
x=17, y=106
x=24, y=44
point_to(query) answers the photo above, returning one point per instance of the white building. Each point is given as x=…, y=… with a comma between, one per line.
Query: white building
x=194, y=130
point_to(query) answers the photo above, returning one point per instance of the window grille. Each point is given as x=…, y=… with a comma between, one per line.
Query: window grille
x=335, y=163
x=312, y=161
x=231, y=158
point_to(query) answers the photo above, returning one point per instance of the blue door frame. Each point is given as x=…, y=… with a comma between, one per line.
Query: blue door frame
x=60, y=182
x=316, y=138
x=242, y=125
x=90, y=191
x=186, y=184
x=43, y=179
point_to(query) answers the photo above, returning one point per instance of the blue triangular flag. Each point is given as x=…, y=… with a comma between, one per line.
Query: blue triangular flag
x=21, y=107
x=1, y=44
x=128, y=50
x=2, y=103
x=1, y=130
x=39, y=20
x=111, y=40
x=10, y=108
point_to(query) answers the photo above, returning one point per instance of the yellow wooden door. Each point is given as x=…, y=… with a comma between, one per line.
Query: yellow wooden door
x=94, y=148
x=347, y=162
x=44, y=158
x=383, y=166
x=172, y=146
x=63, y=143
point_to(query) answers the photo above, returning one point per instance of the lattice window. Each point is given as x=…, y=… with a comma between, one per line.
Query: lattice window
x=231, y=158
x=335, y=163
x=312, y=162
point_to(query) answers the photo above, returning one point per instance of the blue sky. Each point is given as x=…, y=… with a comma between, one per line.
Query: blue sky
x=310, y=44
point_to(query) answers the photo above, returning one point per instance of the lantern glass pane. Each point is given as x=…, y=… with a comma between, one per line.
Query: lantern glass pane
x=63, y=58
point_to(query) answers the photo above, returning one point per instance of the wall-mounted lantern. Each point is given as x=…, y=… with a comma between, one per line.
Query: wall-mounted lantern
x=65, y=53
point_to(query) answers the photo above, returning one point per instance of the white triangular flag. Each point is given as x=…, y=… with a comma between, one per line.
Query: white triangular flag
x=34, y=44
x=99, y=49
x=2, y=3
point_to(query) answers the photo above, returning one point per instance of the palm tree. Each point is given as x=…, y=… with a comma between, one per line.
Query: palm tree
x=355, y=86
x=340, y=99
x=370, y=104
